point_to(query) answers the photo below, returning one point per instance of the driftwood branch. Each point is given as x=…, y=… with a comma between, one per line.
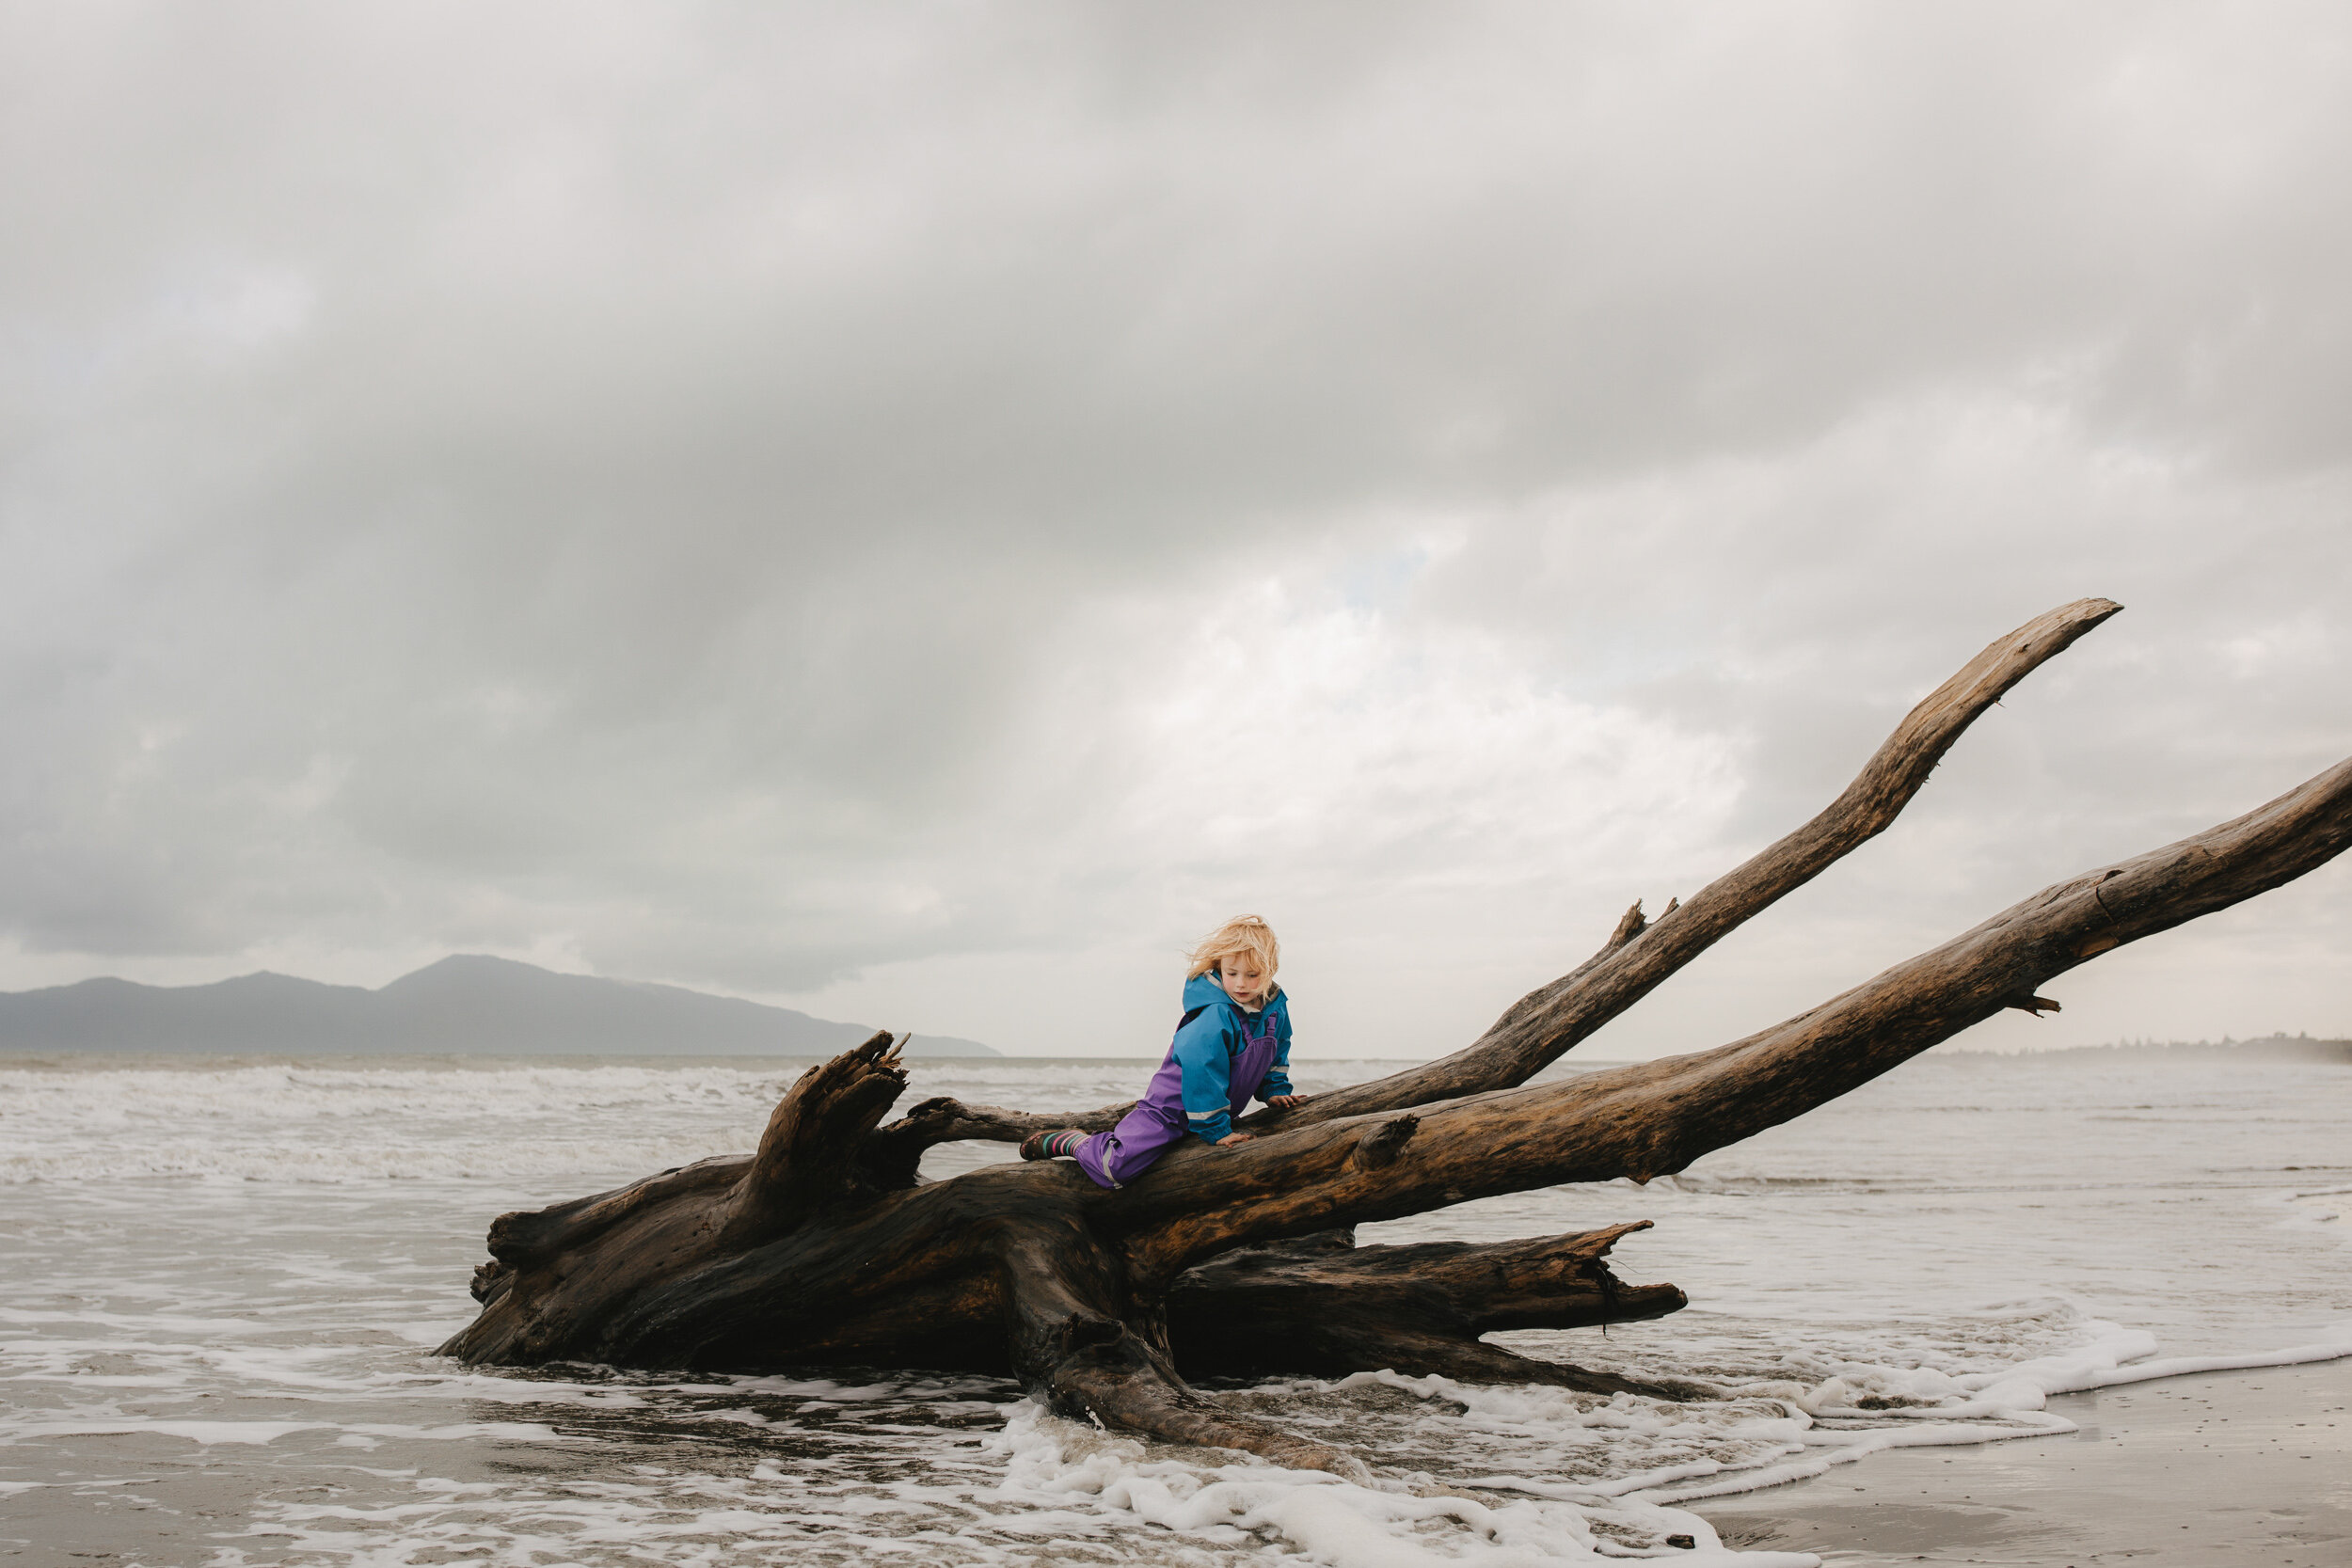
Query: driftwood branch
x=1543, y=1025
x=1324, y=1306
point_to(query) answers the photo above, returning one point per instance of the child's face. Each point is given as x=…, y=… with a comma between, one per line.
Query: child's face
x=1242, y=978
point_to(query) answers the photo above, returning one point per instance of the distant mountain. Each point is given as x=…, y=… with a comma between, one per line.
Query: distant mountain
x=467, y=1005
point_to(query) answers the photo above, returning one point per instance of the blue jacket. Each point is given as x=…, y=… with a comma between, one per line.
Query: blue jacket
x=1206, y=1043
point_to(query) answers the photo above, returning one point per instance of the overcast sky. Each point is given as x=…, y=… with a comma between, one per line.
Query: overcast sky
x=913, y=512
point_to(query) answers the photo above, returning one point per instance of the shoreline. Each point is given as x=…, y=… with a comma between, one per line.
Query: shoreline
x=2204, y=1471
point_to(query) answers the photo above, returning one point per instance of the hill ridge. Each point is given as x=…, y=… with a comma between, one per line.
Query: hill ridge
x=466, y=1004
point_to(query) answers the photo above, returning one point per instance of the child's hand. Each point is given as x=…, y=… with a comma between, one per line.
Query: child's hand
x=1235, y=1138
x=1287, y=1101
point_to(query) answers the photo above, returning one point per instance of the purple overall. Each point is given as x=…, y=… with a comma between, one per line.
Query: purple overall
x=1126, y=1151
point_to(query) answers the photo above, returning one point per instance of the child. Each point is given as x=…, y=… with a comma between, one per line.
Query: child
x=1233, y=1042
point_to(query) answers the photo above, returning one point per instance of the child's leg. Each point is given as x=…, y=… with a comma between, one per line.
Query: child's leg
x=1052, y=1146
x=1115, y=1157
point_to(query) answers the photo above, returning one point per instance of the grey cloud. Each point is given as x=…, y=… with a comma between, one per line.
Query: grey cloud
x=712, y=490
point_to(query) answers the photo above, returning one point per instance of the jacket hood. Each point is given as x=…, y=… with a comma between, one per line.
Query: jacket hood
x=1204, y=989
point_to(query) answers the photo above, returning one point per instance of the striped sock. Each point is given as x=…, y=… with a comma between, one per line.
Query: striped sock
x=1064, y=1142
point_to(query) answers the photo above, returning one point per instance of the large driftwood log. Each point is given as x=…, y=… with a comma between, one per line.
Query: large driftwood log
x=826, y=1248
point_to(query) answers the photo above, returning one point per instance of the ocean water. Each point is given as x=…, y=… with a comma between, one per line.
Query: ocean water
x=225, y=1279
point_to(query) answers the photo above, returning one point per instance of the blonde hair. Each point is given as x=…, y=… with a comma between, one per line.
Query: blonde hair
x=1244, y=936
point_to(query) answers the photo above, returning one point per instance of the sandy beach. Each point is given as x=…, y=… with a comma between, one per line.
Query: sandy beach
x=228, y=1279
x=2190, y=1472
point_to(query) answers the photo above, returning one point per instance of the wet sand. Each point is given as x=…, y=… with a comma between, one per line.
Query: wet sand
x=2210, y=1471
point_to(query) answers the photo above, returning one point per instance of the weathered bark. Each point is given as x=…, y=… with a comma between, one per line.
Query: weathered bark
x=1324, y=1307
x=826, y=1248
